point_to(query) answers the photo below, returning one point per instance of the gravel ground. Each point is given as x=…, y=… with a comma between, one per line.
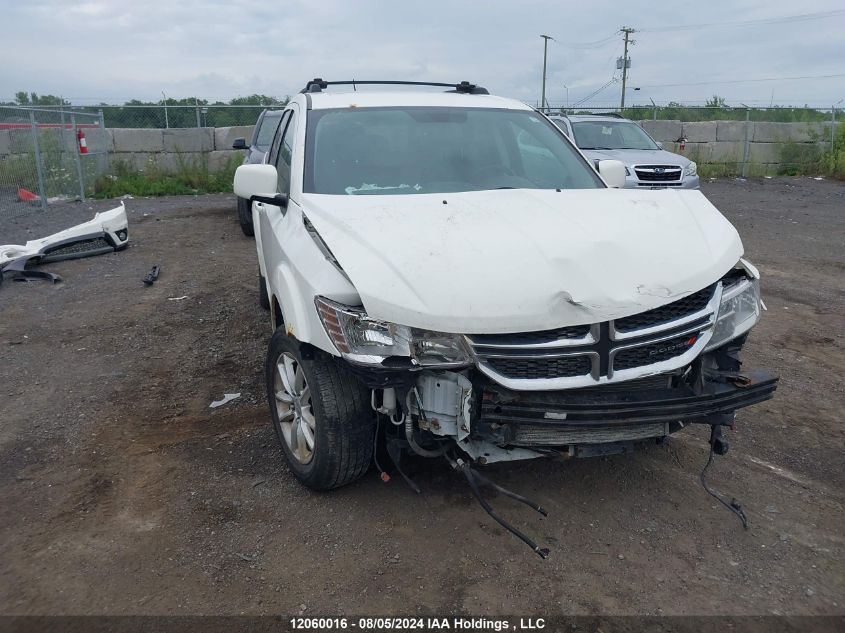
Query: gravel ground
x=124, y=493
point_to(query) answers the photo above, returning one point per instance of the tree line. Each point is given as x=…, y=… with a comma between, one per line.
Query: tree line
x=186, y=112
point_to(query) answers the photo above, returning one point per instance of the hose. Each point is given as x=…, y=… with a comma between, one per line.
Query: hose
x=419, y=450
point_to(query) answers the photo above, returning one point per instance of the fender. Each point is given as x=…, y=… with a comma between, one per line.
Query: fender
x=297, y=271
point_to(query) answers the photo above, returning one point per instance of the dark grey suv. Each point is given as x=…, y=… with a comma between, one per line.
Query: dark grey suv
x=262, y=135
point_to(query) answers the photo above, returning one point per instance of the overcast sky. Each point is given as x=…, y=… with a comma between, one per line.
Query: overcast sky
x=111, y=51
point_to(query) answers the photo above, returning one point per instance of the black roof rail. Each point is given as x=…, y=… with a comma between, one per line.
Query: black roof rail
x=464, y=87
x=615, y=115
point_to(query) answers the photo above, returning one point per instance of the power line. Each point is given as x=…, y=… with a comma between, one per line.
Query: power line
x=596, y=44
x=742, y=81
x=801, y=17
x=613, y=80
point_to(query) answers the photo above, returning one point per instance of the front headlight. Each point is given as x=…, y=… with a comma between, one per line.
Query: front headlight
x=362, y=339
x=738, y=312
x=627, y=171
x=691, y=169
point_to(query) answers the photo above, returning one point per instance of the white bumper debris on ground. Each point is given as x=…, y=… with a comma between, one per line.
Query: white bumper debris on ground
x=104, y=233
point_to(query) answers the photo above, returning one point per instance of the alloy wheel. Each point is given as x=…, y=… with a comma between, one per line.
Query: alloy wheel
x=294, y=407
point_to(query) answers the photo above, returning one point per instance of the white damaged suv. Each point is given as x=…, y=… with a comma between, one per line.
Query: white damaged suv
x=446, y=272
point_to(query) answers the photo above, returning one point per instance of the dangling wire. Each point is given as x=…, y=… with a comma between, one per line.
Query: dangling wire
x=475, y=480
x=384, y=476
x=734, y=505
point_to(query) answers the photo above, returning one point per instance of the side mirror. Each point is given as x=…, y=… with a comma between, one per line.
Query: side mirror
x=258, y=183
x=239, y=143
x=659, y=144
x=613, y=172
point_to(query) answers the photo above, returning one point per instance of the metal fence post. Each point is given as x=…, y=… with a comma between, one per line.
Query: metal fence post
x=77, y=159
x=832, y=127
x=42, y=192
x=747, y=149
x=197, y=107
x=103, y=156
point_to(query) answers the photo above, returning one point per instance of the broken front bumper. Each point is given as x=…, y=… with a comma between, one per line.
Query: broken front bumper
x=108, y=231
x=605, y=416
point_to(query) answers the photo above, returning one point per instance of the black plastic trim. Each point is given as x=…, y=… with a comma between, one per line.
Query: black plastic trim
x=652, y=405
x=463, y=87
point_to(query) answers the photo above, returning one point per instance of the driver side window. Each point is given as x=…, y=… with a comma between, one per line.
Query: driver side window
x=277, y=138
x=285, y=156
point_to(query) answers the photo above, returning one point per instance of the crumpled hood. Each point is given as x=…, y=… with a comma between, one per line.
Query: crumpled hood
x=523, y=260
x=638, y=156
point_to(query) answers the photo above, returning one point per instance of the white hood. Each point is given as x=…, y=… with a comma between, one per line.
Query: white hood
x=523, y=260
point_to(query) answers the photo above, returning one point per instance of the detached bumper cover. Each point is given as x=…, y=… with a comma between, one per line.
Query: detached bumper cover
x=111, y=228
x=592, y=415
x=106, y=232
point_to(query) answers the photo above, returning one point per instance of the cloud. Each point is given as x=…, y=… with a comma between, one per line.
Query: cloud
x=108, y=50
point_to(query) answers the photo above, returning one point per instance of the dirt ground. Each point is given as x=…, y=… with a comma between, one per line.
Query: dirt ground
x=122, y=492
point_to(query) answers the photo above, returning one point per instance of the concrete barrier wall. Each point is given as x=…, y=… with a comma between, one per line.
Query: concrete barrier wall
x=723, y=142
x=707, y=142
x=139, y=148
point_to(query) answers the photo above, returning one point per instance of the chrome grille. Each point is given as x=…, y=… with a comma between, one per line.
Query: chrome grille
x=658, y=173
x=655, y=341
x=547, y=336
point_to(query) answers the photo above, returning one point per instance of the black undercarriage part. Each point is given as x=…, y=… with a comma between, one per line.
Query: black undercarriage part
x=476, y=480
x=151, y=276
x=394, y=450
x=719, y=446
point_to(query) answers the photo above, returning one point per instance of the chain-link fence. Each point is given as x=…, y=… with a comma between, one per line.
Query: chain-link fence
x=41, y=160
x=223, y=115
x=48, y=156
x=697, y=113
x=170, y=116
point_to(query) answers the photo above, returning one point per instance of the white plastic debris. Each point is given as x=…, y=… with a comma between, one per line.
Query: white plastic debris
x=227, y=397
x=177, y=298
x=112, y=223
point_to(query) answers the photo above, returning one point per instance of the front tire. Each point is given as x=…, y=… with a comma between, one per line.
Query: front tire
x=245, y=217
x=321, y=414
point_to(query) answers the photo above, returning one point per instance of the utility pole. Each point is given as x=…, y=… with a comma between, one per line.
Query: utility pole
x=627, y=31
x=546, y=39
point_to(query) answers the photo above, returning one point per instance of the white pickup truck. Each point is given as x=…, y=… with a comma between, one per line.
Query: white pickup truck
x=446, y=271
